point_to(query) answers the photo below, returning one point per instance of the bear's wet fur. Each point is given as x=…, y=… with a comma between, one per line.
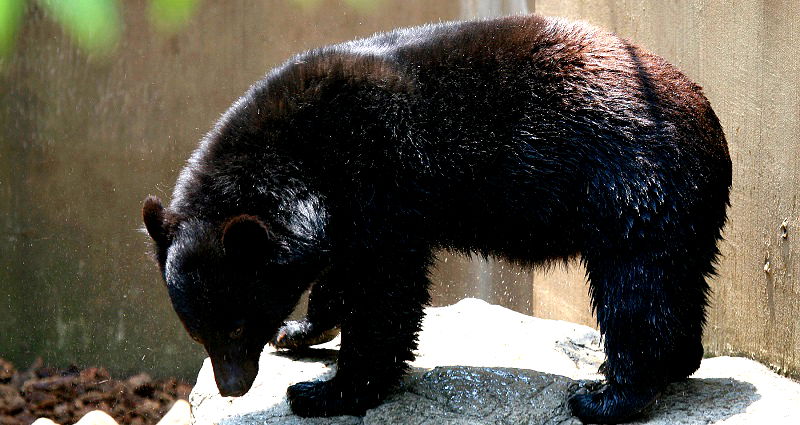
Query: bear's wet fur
x=527, y=138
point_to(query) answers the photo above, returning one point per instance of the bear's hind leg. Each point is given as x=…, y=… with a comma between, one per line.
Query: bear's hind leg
x=321, y=323
x=651, y=311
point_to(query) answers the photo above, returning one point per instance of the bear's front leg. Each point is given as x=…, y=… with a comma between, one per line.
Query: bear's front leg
x=321, y=323
x=384, y=306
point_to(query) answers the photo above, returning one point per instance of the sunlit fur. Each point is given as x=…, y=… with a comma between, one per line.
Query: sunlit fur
x=526, y=138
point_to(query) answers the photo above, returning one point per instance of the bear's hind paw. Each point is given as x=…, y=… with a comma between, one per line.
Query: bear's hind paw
x=606, y=403
x=297, y=334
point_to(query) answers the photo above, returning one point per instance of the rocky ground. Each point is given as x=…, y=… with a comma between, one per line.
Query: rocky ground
x=479, y=364
x=67, y=395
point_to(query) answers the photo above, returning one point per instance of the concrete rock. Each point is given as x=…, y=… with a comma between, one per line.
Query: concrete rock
x=512, y=369
x=44, y=421
x=179, y=414
x=97, y=417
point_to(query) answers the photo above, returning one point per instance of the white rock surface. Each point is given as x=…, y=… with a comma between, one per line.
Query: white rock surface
x=509, y=368
x=179, y=414
x=97, y=417
x=43, y=421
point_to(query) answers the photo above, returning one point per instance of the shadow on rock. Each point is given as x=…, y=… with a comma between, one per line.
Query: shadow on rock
x=485, y=395
x=310, y=354
x=702, y=400
x=475, y=395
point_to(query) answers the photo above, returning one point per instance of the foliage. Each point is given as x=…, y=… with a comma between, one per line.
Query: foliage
x=10, y=14
x=94, y=25
x=171, y=15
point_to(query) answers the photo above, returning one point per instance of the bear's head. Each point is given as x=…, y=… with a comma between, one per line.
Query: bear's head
x=230, y=284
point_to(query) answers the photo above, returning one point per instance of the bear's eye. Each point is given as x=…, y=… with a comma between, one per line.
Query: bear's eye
x=237, y=333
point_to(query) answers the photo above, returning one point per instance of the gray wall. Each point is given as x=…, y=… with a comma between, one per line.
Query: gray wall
x=83, y=139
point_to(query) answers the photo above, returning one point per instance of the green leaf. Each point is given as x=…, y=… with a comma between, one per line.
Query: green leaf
x=171, y=15
x=11, y=12
x=95, y=25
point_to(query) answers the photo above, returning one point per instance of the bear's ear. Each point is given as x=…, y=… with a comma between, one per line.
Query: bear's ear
x=246, y=236
x=155, y=222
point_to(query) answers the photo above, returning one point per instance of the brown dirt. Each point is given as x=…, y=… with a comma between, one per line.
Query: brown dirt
x=65, y=395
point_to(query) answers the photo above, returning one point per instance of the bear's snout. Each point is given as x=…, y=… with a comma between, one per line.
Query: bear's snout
x=234, y=379
x=232, y=386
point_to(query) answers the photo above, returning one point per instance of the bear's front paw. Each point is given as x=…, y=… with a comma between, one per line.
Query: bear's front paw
x=607, y=403
x=297, y=334
x=326, y=398
x=314, y=399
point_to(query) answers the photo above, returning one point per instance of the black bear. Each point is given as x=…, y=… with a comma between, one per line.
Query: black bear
x=528, y=138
